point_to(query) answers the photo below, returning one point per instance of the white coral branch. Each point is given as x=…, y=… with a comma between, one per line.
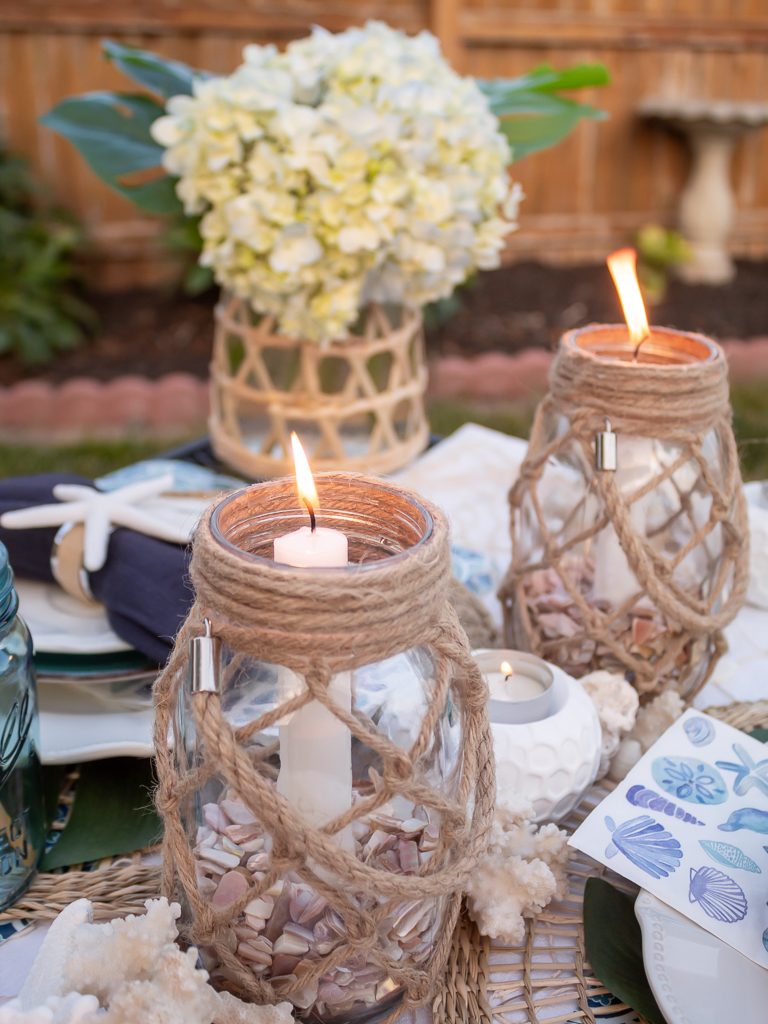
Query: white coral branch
x=616, y=702
x=125, y=972
x=522, y=871
x=655, y=718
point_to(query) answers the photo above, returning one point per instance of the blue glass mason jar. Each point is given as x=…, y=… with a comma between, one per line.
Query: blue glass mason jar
x=22, y=818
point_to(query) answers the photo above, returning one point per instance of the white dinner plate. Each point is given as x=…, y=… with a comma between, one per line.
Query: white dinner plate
x=60, y=624
x=696, y=977
x=77, y=725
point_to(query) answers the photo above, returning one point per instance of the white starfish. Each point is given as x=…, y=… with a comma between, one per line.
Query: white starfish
x=99, y=510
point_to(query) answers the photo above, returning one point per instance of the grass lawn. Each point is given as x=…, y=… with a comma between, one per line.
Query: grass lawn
x=90, y=458
x=94, y=458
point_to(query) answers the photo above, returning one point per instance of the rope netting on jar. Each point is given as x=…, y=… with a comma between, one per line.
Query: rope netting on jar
x=383, y=915
x=658, y=634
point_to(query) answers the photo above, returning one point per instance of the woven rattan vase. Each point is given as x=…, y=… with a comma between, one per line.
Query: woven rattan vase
x=325, y=804
x=630, y=540
x=357, y=405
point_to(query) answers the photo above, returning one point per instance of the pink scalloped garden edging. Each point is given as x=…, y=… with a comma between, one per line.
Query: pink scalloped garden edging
x=174, y=406
x=177, y=405
x=496, y=375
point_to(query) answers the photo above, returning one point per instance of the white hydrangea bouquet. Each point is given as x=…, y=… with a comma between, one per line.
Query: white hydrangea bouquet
x=351, y=169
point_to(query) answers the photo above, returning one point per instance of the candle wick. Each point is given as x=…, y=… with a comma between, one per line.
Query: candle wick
x=312, y=520
x=642, y=341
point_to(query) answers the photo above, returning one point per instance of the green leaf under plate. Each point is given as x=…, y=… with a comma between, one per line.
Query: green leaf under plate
x=167, y=77
x=52, y=774
x=112, y=814
x=614, y=946
x=80, y=665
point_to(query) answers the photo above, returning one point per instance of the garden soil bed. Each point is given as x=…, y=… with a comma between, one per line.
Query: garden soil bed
x=154, y=332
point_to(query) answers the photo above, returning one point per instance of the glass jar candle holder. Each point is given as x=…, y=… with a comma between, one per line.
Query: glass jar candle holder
x=334, y=877
x=22, y=824
x=629, y=524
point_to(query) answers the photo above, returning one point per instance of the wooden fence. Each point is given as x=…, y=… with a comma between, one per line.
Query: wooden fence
x=583, y=197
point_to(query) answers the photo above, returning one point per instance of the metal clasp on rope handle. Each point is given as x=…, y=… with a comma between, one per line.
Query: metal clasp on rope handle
x=204, y=662
x=605, y=448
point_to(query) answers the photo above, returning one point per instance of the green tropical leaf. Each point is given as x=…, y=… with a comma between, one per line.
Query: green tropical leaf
x=112, y=813
x=166, y=77
x=546, y=78
x=111, y=130
x=614, y=946
x=580, y=76
x=532, y=115
x=529, y=134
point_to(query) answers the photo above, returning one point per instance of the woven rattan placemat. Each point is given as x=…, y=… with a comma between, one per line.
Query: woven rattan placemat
x=546, y=979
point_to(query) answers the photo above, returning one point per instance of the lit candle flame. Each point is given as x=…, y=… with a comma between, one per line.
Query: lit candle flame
x=305, y=483
x=506, y=668
x=622, y=265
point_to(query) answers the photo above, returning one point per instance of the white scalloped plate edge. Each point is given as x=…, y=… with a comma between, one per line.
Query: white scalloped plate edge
x=696, y=977
x=67, y=739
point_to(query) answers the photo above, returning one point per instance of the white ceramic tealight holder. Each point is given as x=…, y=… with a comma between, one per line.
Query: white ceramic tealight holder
x=520, y=686
x=550, y=753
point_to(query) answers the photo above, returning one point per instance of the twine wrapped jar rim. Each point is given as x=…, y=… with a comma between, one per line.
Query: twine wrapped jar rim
x=283, y=509
x=678, y=397
x=400, y=573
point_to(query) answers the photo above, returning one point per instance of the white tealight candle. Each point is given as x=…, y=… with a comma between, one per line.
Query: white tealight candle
x=513, y=684
x=520, y=685
x=315, y=747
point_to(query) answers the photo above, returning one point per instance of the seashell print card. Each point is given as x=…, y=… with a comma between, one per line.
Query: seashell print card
x=690, y=824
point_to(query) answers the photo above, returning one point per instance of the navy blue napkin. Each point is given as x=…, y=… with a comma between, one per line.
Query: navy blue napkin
x=143, y=583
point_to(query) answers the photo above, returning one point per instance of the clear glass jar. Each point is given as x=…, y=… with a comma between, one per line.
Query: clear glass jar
x=291, y=926
x=667, y=518
x=22, y=818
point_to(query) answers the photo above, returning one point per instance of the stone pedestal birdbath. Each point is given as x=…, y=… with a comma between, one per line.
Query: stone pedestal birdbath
x=707, y=202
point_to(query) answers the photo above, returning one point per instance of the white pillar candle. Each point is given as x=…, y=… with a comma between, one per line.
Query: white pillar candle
x=315, y=747
x=636, y=465
x=306, y=548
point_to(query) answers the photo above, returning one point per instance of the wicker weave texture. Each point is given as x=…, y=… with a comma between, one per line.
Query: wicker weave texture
x=546, y=979
x=116, y=886
x=358, y=404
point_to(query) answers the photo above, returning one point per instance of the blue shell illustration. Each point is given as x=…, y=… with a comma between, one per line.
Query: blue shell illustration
x=747, y=817
x=724, y=853
x=690, y=779
x=642, y=797
x=699, y=731
x=749, y=773
x=647, y=844
x=717, y=895
x=765, y=939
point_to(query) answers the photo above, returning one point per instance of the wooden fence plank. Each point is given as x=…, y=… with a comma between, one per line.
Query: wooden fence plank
x=593, y=190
